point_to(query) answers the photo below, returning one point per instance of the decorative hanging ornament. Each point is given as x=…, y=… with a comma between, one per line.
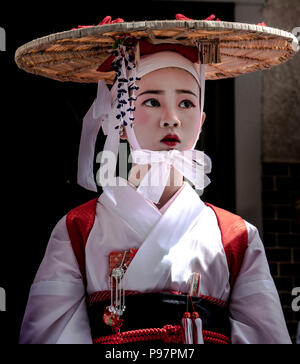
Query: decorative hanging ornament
x=119, y=262
x=187, y=327
x=126, y=52
x=192, y=323
x=117, y=306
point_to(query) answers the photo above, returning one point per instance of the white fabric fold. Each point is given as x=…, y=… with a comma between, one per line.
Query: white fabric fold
x=111, y=146
x=56, y=310
x=57, y=288
x=96, y=117
x=151, y=267
x=167, y=59
x=115, y=198
x=202, y=86
x=256, y=315
x=90, y=129
x=103, y=102
x=254, y=287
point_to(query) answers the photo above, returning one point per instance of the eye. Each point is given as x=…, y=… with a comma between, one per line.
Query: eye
x=186, y=104
x=151, y=103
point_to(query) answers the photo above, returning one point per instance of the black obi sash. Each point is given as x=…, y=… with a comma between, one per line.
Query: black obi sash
x=157, y=316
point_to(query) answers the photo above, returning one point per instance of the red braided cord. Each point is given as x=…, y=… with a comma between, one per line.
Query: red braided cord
x=167, y=334
x=211, y=336
x=212, y=340
x=100, y=296
x=216, y=301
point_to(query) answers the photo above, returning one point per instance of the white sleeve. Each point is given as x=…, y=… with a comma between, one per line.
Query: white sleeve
x=255, y=311
x=56, y=312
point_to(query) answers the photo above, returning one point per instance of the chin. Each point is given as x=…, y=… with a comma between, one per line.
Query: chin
x=178, y=146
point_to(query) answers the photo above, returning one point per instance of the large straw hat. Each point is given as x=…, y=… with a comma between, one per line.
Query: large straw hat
x=238, y=48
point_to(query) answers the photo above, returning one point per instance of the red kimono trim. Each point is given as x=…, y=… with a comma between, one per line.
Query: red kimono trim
x=79, y=223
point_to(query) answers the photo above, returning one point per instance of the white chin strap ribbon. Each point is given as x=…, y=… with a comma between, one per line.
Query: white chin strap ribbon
x=192, y=164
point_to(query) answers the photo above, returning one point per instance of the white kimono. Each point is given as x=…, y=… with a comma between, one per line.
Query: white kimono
x=181, y=238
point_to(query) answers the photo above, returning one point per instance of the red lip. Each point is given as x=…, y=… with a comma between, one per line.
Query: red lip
x=170, y=144
x=171, y=138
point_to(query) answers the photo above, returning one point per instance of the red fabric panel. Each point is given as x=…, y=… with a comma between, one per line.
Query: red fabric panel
x=234, y=238
x=79, y=223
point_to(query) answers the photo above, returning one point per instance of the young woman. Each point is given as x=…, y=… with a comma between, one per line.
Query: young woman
x=151, y=261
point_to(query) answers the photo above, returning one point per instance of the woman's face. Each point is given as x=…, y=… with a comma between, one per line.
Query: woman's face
x=167, y=106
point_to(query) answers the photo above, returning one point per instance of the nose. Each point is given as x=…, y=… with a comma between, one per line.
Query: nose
x=170, y=124
x=169, y=117
x=170, y=120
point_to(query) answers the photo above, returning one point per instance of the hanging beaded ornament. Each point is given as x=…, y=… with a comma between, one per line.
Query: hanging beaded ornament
x=126, y=52
x=119, y=262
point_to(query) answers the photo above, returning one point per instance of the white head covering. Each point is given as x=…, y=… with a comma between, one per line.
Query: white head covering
x=110, y=110
x=164, y=59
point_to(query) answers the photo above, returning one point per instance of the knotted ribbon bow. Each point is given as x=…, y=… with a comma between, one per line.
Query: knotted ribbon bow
x=192, y=164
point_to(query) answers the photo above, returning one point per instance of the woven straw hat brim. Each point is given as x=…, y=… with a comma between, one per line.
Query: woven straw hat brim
x=75, y=55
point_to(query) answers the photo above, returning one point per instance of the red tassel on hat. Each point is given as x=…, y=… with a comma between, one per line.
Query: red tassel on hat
x=107, y=20
x=181, y=17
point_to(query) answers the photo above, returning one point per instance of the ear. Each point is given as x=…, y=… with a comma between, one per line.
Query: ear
x=203, y=118
x=124, y=136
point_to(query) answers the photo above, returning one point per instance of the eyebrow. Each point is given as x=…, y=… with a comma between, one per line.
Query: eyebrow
x=160, y=92
x=186, y=92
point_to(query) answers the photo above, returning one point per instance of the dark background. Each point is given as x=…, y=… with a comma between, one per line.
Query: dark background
x=41, y=124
